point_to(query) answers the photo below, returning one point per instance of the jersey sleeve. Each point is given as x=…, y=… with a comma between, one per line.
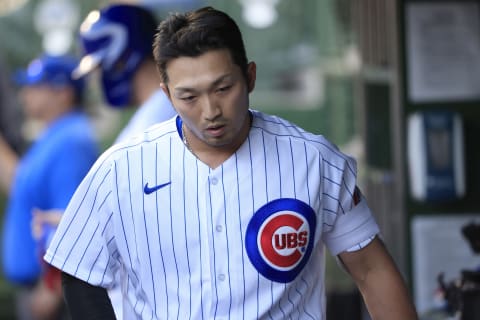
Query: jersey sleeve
x=349, y=223
x=84, y=243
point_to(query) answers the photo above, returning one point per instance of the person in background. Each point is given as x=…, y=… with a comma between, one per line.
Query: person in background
x=117, y=40
x=43, y=178
x=223, y=211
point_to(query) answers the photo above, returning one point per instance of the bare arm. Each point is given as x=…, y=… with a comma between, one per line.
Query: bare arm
x=8, y=165
x=380, y=283
x=46, y=297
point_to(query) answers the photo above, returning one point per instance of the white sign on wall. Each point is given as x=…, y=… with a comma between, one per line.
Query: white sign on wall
x=443, y=51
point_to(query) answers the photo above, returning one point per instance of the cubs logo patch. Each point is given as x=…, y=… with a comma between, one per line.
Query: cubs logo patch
x=279, y=238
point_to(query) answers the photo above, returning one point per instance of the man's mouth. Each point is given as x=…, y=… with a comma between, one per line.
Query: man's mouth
x=216, y=130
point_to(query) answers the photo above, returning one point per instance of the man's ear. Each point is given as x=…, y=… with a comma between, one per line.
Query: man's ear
x=251, y=75
x=165, y=90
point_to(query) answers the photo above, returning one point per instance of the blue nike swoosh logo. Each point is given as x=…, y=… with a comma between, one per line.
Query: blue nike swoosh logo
x=149, y=190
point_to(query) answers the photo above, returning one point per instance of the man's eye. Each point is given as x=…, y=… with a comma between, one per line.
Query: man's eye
x=224, y=88
x=188, y=98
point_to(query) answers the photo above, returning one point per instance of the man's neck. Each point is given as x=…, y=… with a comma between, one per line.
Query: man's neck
x=215, y=156
x=145, y=82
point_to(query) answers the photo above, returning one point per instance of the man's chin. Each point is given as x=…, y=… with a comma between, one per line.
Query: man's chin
x=219, y=142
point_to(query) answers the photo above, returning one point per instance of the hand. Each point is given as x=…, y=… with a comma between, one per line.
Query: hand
x=41, y=218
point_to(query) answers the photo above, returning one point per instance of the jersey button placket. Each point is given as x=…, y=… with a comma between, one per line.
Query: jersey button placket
x=221, y=262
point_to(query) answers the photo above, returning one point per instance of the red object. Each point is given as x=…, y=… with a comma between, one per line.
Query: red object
x=52, y=278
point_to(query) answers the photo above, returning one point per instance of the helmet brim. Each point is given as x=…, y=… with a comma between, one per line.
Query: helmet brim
x=87, y=64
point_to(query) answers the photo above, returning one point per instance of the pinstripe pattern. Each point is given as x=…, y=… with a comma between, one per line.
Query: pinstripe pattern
x=182, y=247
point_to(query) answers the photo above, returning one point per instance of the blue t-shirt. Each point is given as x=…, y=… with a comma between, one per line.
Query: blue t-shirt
x=46, y=178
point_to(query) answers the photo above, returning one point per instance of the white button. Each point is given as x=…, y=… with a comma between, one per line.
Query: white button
x=214, y=181
x=221, y=277
x=219, y=228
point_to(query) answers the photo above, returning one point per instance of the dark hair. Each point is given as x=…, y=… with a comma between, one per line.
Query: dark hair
x=193, y=33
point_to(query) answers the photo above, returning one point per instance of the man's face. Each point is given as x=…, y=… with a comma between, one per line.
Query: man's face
x=36, y=100
x=210, y=94
x=44, y=102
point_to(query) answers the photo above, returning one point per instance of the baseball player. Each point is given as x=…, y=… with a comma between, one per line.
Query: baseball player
x=44, y=178
x=223, y=211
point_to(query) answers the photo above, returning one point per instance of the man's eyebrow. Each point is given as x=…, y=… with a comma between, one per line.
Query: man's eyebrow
x=180, y=90
x=221, y=79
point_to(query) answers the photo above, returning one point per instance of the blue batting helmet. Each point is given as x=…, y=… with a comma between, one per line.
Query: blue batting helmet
x=116, y=39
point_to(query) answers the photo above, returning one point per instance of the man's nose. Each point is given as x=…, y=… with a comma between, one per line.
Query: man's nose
x=211, y=108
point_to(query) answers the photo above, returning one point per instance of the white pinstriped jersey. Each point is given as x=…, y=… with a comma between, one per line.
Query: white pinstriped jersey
x=242, y=241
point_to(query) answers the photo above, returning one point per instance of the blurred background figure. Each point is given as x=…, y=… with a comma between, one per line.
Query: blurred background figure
x=44, y=178
x=117, y=41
